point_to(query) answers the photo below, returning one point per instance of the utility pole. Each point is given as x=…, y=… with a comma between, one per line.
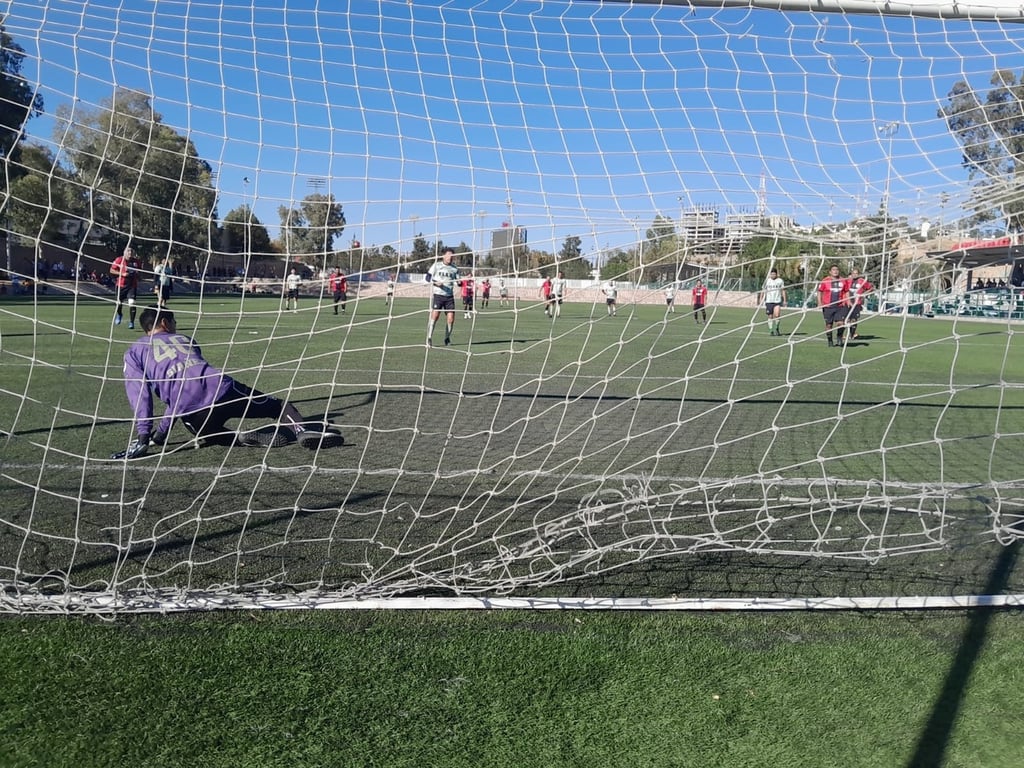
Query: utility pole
x=887, y=131
x=317, y=183
x=246, y=231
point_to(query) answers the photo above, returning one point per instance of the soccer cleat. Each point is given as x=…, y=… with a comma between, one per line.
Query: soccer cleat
x=317, y=437
x=267, y=437
x=131, y=325
x=447, y=341
x=117, y=319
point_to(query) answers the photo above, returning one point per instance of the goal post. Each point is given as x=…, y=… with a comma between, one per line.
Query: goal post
x=604, y=400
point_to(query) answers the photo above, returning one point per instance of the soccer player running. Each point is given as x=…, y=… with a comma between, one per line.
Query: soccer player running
x=169, y=366
x=443, y=276
x=339, y=289
x=700, y=300
x=773, y=294
x=548, y=296
x=125, y=269
x=833, y=299
x=857, y=287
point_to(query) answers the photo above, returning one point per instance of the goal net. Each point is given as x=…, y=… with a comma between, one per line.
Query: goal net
x=610, y=443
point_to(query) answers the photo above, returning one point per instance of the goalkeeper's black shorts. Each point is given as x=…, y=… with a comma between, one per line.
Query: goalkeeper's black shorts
x=240, y=402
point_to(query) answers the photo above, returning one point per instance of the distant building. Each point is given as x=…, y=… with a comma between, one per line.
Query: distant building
x=507, y=242
x=701, y=233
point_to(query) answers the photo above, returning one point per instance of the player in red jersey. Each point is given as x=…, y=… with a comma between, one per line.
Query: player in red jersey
x=125, y=269
x=546, y=289
x=834, y=300
x=468, y=286
x=699, y=296
x=339, y=288
x=857, y=287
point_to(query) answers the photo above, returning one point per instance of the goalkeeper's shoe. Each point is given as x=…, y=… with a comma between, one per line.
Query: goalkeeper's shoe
x=315, y=436
x=267, y=437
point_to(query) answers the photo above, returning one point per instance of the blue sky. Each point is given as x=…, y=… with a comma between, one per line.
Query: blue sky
x=588, y=116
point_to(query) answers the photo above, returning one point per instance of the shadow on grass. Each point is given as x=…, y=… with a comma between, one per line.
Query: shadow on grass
x=934, y=739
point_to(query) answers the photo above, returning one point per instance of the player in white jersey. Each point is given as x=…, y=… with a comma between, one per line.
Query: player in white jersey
x=670, y=297
x=292, y=283
x=773, y=294
x=558, y=292
x=611, y=294
x=443, y=276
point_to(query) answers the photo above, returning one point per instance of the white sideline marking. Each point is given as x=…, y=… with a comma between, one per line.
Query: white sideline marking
x=118, y=466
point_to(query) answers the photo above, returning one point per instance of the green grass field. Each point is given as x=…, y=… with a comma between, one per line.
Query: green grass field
x=530, y=689
x=640, y=454
x=596, y=456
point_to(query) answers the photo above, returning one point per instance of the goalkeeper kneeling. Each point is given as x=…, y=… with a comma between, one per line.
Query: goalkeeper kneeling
x=170, y=366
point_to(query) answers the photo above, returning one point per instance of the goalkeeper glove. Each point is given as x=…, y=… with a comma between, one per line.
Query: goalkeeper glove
x=134, y=451
x=158, y=438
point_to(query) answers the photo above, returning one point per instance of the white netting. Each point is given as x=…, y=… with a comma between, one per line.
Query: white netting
x=638, y=454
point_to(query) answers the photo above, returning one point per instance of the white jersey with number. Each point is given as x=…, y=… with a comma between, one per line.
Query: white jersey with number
x=773, y=288
x=444, y=277
x=293, y=282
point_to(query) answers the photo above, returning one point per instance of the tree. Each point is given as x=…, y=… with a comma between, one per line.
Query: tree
x=143, y=182
x=571, y=260
x=618, y=265
x=310, y=229
x=245, y=233
x=18, y=100
x=423, y=254
x=39, y=191
x=991, y=138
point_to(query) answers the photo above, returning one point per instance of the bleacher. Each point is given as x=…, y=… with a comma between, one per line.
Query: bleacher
x=989, y=302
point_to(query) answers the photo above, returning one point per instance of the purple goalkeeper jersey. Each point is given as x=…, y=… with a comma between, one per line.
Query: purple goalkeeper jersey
x=170, y=366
